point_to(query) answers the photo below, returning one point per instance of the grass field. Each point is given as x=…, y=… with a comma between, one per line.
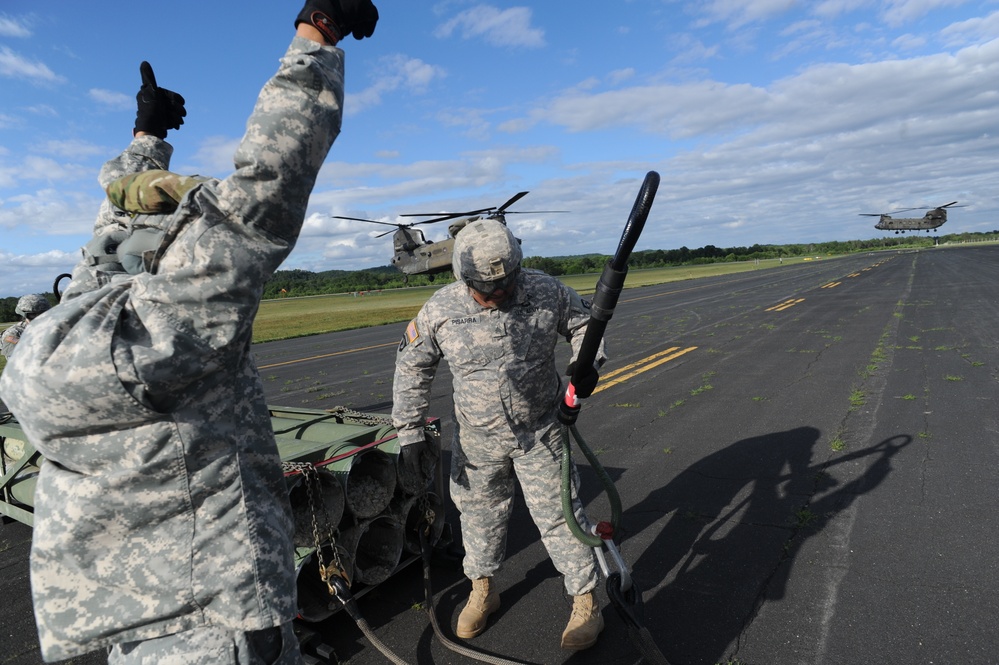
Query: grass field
x=296, y=317
x=286, y=318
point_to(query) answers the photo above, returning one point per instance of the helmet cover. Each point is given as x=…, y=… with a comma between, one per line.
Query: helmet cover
x=34, y=303
x=485, y=251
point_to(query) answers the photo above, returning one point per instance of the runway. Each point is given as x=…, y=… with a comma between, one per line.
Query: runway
x=805, y=456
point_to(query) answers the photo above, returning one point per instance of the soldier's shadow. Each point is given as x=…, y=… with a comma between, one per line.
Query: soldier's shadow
x=735, y=521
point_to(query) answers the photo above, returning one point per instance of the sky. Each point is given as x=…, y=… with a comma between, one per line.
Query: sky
x=768, y=121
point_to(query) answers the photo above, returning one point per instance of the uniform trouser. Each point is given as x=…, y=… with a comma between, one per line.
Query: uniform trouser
x=482, y=488
x=213, y=646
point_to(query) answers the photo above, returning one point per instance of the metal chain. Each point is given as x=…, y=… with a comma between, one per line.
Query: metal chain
x=359, y=417
x=310, y=475
x=428, y=513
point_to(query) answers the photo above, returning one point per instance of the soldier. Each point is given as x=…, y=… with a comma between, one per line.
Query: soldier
x=497, y=326
x=162, y=525
x=28, y=307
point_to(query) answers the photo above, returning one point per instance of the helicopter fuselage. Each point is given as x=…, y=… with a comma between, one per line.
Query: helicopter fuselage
x=414, y=255
x=931, y=220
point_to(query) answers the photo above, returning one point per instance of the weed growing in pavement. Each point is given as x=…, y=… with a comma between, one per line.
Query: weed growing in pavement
x=857, y=398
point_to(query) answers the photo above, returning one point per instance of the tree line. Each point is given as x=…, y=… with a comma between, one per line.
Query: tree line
x=303, y=282
x=287, y=283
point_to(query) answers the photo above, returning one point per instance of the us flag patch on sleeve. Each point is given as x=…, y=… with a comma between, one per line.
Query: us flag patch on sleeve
x=411, y=335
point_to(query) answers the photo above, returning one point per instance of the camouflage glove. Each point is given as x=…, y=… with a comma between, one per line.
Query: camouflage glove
x=336, y=18
x=586, y=384
x=158, y=109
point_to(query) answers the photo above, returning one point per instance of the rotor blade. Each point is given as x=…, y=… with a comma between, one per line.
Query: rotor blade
x=869, y=214
x=445, y=215
x=384, y=234
x=532, y=212
x=949, y=204
x=516, y=197
x=370, y=221
x=444, y=218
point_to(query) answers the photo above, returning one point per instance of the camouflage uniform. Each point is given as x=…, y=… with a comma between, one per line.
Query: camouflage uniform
x=506, y=388
x=162, y=507
x=145, y=153
x=96, y=269
x=10, y=337
x=29, y=307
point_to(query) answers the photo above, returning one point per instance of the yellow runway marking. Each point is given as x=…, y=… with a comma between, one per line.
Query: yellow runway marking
x=644, y=365
x=780, y=307
x=831, y=285
x=327, y=355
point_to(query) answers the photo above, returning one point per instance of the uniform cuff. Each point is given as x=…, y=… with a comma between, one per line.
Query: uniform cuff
x=408, y=437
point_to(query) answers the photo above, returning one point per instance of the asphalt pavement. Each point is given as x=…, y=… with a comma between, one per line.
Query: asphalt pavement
x=806, y=460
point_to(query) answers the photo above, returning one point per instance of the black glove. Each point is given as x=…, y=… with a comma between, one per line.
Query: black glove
x=587, y=382
x=336, y=18
x=159, y=109
x=416, y=465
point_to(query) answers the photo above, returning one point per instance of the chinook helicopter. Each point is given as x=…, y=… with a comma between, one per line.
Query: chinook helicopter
x=932, y=219
x=413, y=254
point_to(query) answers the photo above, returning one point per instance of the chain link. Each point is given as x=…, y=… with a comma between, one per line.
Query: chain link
x=310, y=475
x=359, y=417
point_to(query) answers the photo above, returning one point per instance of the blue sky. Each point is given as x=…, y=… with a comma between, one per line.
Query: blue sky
x=770, y=121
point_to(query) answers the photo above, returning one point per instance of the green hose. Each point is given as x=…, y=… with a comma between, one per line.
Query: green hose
x=613, y=497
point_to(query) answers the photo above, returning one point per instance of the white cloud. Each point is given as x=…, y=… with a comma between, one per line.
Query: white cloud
x=48, y=212
x=72, y=149
x=395, y=72
x=13, y=65
x=508, y=27
x=115, y=100
x=900, y=12
x=736, y=13
x=973, y=30
x=34, y=273
x=10, y=27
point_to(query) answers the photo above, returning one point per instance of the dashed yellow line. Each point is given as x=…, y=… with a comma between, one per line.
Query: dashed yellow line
x=780, y=307
x=644, y=365
x=830, y=285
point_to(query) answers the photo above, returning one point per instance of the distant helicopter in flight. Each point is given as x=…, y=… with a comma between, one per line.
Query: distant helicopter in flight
x=934, y=218
x=413, y=254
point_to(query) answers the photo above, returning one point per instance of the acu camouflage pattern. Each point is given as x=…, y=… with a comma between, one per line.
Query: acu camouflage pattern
x=485, y=250
x=10, y=337
x=162, y=507
x=213, y=646
x=505, y=389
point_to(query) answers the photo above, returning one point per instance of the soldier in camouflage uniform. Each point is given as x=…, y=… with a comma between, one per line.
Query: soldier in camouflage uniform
x=28, y=307
x=497, y=326
x=162, y=525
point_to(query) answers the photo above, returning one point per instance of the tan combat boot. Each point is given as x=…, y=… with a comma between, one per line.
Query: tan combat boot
x=585, y=623
x=483, y=601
